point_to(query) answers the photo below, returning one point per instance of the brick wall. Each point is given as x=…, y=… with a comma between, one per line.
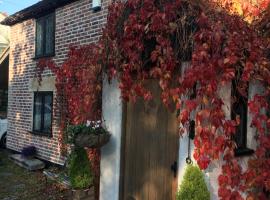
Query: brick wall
x=76, y=24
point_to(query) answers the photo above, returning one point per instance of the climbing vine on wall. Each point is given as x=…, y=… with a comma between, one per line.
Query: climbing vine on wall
x=146, y=39
x=78, y=84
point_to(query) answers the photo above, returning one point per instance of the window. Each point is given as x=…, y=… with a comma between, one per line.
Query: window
x=42, y=118
x=45, y=35
x=240, y=109
x=96, y=5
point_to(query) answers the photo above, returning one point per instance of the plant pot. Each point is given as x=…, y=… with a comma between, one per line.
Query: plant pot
x=92, y=140
x=84, y=194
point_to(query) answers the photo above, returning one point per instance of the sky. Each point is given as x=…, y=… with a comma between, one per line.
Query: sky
x=12, y=6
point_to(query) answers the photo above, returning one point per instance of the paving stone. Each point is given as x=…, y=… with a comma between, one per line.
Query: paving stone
x=29, y=163
x=64, y=180
x=5, y=174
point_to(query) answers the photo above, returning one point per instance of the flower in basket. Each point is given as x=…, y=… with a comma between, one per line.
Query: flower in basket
x=91, y=135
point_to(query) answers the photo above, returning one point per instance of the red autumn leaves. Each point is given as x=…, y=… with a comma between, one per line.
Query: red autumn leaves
x=223, y=46
x=137, y=44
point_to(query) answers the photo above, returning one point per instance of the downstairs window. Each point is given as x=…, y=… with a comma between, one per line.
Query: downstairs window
x=42, y=117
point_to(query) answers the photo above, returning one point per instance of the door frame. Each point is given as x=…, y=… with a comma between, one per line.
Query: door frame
x=122, y=151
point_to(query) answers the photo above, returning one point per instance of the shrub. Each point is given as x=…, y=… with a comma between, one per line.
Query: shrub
x=29, y=151
x=79, y=169
x=193, y=186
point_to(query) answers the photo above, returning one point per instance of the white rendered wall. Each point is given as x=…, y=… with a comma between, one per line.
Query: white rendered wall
x=214, y=170
x=110, y=153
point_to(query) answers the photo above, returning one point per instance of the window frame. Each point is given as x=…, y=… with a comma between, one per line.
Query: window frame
x=243, y=125
x=41, y=131
x=43, y=21
x=240, y=150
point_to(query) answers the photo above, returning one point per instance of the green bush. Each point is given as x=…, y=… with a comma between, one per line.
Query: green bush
x=79, y=169
x=193, y=186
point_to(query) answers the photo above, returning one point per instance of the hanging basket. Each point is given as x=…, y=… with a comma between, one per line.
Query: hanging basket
x=91, y=140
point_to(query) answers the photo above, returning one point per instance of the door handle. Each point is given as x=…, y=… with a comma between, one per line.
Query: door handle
x=174, y=168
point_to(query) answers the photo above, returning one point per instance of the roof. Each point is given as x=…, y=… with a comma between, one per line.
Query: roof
x=37, y=10
x=4, y=55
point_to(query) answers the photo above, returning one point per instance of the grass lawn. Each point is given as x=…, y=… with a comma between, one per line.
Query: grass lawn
x=17, y=183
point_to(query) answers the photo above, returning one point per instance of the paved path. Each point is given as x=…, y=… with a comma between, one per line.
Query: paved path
x=17, y=183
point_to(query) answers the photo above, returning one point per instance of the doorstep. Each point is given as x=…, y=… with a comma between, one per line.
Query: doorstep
x=30, y=164
x=61, y=179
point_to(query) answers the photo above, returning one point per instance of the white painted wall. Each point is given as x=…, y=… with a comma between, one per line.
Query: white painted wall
x=214, y=170
x=110, y=153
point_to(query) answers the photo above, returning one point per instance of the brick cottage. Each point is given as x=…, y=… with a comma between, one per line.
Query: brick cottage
x=45, y=29
x=145, y=158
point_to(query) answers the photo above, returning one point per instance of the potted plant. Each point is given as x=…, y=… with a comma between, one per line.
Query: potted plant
x=90, y=135
x=29, y=152
x=80, y=175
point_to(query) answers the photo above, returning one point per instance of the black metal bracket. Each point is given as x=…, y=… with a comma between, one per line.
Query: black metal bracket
x=191, y=129
x=191, y=136
x=174, y=169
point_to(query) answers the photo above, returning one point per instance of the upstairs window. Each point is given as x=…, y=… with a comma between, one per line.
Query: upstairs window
x=45, y=36
x=42, y=118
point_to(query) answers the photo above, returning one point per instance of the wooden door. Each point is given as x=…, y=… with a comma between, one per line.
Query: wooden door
x=151, y=147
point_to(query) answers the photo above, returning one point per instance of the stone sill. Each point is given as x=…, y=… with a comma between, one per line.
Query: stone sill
x=243, y=152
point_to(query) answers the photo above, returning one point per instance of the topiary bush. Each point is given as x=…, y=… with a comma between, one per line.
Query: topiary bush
x=79, y=169
x=193, y=186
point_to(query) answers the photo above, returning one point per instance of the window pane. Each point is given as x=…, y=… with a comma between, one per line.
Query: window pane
x=37, y=112
x=241, y=130
x=39, y=38
x=239, y=108
x=49, y=35
x=47, y=113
